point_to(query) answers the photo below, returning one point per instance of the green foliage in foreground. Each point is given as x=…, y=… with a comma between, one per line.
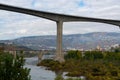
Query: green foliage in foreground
x=12, y=69
x=94, y=65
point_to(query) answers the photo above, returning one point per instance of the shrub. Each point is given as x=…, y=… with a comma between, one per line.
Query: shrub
x=12, y=69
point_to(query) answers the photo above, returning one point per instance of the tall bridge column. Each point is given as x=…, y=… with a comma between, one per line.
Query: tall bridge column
x=59, y=55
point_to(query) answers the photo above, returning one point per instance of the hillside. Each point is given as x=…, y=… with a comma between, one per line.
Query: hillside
x=85, y=41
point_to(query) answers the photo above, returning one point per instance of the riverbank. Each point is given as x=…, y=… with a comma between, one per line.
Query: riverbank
x=94, y=65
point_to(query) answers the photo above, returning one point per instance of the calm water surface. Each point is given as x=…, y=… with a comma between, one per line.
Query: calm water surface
x=38, y=73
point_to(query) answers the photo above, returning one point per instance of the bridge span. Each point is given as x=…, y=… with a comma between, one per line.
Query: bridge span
x=59, y=19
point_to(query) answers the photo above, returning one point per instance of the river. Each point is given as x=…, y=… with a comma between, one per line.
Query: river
x=38, y=73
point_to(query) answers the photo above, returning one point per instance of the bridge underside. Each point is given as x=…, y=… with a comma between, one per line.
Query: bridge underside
x=59, y=19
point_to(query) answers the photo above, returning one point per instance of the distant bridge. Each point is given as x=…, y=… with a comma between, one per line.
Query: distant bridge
x=59, y=19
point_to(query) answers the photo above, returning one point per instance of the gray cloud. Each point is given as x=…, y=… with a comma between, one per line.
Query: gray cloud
x=16, y=25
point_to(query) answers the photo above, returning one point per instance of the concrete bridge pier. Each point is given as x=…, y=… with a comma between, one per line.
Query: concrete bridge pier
x=59, y=18
x=59, y=55
x=40, y=55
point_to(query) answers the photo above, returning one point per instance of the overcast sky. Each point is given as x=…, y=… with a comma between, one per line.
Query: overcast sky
x=14, y=25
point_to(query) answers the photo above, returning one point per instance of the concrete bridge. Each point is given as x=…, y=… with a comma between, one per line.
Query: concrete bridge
x=59, y=19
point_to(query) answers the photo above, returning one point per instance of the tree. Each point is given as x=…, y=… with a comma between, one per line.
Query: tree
x=73, y=55
x=13, y=69
x=93, y=55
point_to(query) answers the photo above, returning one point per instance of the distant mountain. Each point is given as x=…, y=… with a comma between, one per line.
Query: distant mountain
x=78, y=41
x=11, y=47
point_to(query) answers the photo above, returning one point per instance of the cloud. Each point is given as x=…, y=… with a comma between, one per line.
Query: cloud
x=17, y=25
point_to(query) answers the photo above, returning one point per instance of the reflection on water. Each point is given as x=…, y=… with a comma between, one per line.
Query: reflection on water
x=38, y=73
